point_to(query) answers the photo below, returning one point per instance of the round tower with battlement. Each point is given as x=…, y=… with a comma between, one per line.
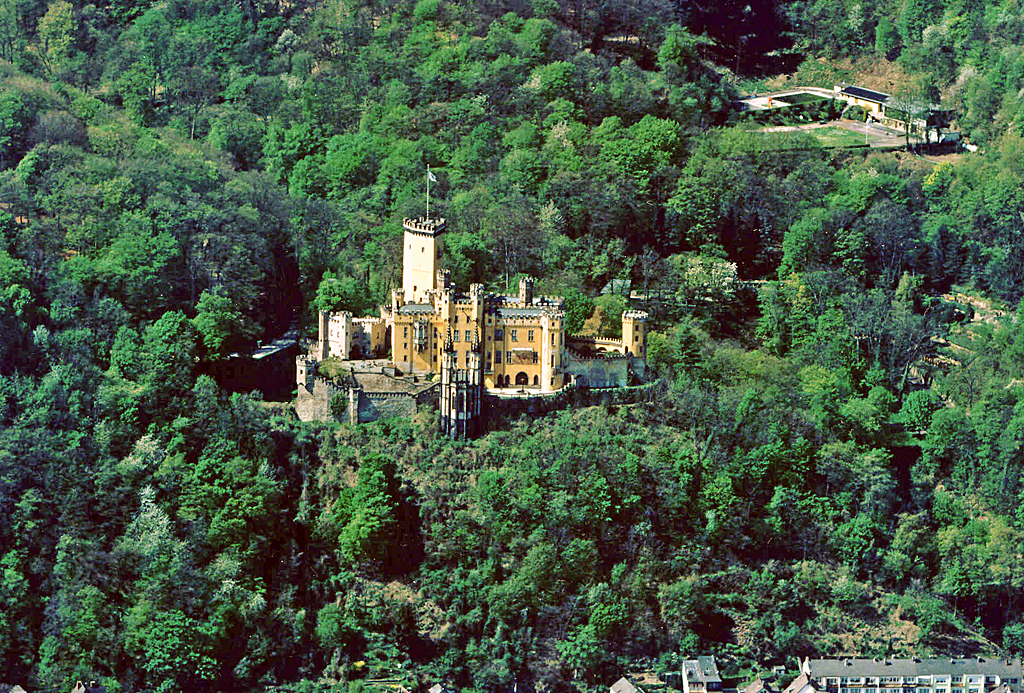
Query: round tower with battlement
x=305, y=372
x=422, y=252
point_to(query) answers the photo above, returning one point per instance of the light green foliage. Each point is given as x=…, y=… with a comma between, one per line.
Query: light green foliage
x=220, y=326
x=611, y=307
x=886, y=38
x=57, y=34
x=340, y=293
x=579, y=307
x=172, y=648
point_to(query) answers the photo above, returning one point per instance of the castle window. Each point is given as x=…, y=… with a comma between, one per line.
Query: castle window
x=456, y=335
x=405, y=331
x=456, y=318
x=405, y=345
x=468, y=338
x=508, y=357
x=535, y=358
x=497, y=356
x=552, y=339
x=636, y=338
x=529, y=336
x=515, y=335
x=499, y=334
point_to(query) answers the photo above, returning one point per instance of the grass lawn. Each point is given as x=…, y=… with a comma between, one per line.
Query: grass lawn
x=802, y=98
x=837, y=137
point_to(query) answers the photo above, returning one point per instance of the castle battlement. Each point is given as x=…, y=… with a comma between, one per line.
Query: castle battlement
x=602, y=356
x=637, y=315
x=426, y=227
x=600, y=341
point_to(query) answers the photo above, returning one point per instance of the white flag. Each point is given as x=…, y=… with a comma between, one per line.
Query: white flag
x=431, y=175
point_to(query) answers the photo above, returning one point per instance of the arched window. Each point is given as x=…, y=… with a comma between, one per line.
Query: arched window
x=536, y=380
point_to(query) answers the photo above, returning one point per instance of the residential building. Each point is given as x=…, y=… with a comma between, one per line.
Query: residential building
x=701, y=675
x=934, y=675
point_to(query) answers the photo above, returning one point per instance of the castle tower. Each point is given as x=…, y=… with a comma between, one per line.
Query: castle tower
x=305, y=372
x=423, y=249
x=323, y=345
x=444, y=279
x=477, y=297
x=634, y=333
x=461, y=391
x=334, y=334
x=526, y=291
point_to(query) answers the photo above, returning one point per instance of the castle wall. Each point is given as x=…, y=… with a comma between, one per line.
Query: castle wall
x=496, y=407
x=386, y=405
x=597, y=371
x=315, y=404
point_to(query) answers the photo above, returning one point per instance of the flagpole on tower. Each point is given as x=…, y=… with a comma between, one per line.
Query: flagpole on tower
x=430, y=177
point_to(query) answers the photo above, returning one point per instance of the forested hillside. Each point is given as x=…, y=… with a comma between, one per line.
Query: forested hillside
x=830, y=459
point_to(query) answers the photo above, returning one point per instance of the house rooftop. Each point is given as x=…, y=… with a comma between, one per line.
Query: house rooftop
x=866, y=94
x=623, y=686
x=992, y=666
x=702, y=669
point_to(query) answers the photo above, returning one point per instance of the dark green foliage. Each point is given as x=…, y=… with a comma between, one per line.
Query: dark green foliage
x=181, y=180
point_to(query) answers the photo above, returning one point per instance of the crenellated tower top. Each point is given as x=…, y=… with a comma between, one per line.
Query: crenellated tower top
x=422, y=253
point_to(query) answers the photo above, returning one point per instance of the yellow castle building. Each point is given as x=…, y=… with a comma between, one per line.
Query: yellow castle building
x=477, y=340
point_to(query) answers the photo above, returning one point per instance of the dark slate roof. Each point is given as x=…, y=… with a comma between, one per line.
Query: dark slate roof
x=988, y=666
x=416, y=309
x=520, y=312
x=862, y=93
x=702, y=669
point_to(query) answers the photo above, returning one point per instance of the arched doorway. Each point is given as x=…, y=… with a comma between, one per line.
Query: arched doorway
x=506, y=381
x=522, y=379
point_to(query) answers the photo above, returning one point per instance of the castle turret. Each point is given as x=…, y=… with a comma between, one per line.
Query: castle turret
x=476, y=296
x=526, y=291
x=423, y=249
x=461, y=390
x=323, y=347
x=634, y=333
x=305, y=372
x=444, y=279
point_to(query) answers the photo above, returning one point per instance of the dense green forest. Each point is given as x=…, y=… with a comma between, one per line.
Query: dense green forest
x=830, y=460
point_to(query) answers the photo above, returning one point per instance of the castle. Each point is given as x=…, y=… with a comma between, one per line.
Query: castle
x=474, y=343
